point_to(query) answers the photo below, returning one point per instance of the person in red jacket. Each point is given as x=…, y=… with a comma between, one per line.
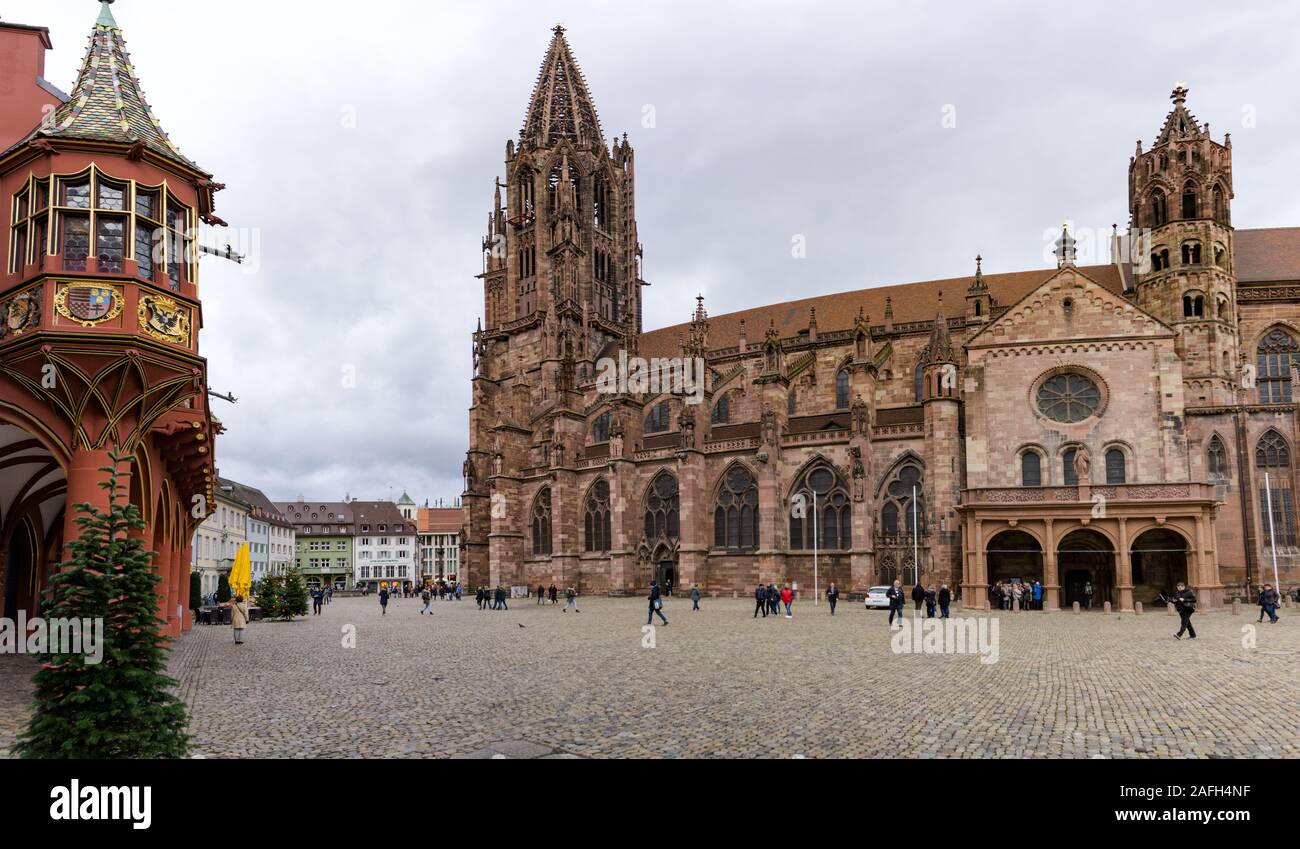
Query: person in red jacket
x=787, y=598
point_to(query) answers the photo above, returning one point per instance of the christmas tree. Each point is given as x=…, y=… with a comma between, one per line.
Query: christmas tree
x=123, y=706
x=294, y=595
x=196, y=591
x=223, y=588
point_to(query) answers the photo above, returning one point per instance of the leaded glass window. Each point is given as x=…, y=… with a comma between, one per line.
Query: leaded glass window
x=1069, y=397
x=596, y=519
x=825, y=496
x=1273, y=359
x=735, y=517
x=661, y=508
x=541, y=523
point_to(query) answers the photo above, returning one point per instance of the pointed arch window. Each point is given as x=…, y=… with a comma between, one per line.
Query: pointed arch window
x=832, y=506
x=735, y=514
x=600, y=427
x=842, y=390
x=1216, y=460
x=541, y=522
x=596, y=523
x=661, y=508
x=1159, y=208
x=1273, y=457
x=657, y=419
x=1220, y=205
x=1273, y=359
x=600, y=203
x=790, y=401
x=1031, y=469
x=722, y=409
x=918, y=382
x=1189, y=200
x=1116, y=466
x=904, y=502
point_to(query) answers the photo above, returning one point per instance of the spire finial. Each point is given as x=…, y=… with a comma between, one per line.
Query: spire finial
x=106, y=15
x=1179, y=94
x=979, y=264
x=558, y=29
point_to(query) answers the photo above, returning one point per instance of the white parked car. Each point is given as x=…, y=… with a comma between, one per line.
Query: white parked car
x=876, y=598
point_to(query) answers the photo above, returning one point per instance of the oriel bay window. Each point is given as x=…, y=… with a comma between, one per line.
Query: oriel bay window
x=92, y=215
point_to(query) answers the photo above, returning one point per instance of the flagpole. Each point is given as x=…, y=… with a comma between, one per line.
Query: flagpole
x=816, y=588
x=916, y=551
x=1272, y=541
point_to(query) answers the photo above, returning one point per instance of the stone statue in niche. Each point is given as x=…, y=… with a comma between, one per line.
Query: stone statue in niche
x=1082, y=464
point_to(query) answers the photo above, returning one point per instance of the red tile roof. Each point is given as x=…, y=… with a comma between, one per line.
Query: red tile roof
x=1262, y=255
x=440, y=520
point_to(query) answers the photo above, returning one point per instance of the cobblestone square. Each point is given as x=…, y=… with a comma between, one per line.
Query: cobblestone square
x=538, y=682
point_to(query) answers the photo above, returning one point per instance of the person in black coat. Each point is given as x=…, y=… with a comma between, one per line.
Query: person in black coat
x=945, y=599
x=760, y=601
x=897, y=598
x=1185, y=604
x=931, y=599
x=832, y=596
x=918, y=595
x=773, y=599
x=656, y=604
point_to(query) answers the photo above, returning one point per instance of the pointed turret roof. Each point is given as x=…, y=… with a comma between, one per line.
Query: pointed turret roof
x=1180, y=123
x=939, y=349
x=107, y=104
x=561, y=106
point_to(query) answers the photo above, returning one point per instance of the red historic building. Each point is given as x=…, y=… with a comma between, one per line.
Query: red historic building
x=99, y=314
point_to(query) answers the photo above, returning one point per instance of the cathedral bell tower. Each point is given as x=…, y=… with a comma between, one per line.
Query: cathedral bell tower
x=1180, y=230
x=561, y=288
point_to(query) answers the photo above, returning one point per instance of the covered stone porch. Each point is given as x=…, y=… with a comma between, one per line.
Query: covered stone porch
x=1126, y=543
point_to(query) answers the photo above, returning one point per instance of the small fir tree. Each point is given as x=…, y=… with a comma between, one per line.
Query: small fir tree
x=124, y=706
x=223, y=588
x=294, y=595
x=196, y=591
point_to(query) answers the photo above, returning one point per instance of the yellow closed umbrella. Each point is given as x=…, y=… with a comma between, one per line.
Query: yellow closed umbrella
x=241, y=574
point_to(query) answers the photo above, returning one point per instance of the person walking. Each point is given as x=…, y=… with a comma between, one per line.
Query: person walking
x=918, y=595
x=1038, y=595
x=571, y=600
x=427, y=598
x=945, y=599
x=541, y=593
x=501, y=599
x=1185, y=604
x=1269, y=599
x=329, y=594
x=383, y=600
x=897, y=598
x=238, y=617
x=931, y=599
x=555, y=594
x=832, y=596
x=1087, y=595
x=773, y=600
x=787, y=598
x=317, y=597
x=760, y=601
x=695, y=598
x=656, y=604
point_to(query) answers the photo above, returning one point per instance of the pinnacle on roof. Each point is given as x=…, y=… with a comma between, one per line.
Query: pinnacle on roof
x=107, y=104
x=1065, y=252
x=978, y=285
x=405, y=499
x=939, y=349
x=1180, y=123
x=561, y=107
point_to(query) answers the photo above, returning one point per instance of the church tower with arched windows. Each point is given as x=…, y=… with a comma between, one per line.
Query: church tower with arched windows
x=561, y=288
x=1180, y=194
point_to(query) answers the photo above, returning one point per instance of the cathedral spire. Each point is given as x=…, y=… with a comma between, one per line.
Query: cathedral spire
x=107, y=104
x=939, y=349
x=561, y=107
x=1180, y=123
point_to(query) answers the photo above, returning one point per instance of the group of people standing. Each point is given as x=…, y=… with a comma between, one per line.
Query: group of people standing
x=1022, y=595
x=934, y=599
x=552, y=594
x=768, y=599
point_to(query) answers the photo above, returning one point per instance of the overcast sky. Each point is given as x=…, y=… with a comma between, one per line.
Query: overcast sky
x=360, y=141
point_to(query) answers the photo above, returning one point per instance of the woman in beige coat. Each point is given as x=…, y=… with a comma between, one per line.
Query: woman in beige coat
x=238, y=617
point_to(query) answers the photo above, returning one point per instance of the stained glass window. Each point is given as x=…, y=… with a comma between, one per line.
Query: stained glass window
x=1069, y=397
x=735, y=518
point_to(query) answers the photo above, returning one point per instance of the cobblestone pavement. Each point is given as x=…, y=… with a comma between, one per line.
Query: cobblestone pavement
x=466, y=683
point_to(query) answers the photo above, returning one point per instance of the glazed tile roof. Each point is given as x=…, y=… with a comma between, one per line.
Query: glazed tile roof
x=1269, y=255
x=106, y=103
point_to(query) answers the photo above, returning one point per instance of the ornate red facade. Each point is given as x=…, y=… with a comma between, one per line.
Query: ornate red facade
x=99, y=315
